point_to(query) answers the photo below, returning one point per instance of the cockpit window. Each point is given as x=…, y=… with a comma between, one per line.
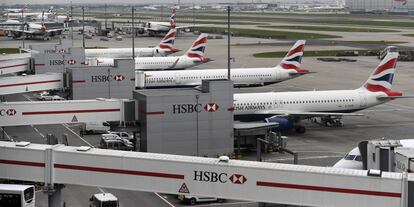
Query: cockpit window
x=349, y=157
x=358, y=158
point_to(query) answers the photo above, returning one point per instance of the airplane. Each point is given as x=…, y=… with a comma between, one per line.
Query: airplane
x=288, y=68
x=193, y=57
x=289, y=108
x=34, y=30
x=164, y=48
x=154, y=28
x=354, y=160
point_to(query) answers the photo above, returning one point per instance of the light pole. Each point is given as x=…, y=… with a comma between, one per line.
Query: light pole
x=83, y=27
x=228, y=42
x=133, y=35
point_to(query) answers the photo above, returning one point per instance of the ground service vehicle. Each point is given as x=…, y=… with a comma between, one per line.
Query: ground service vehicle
x=113, y=141
x=192, y=200
x=124, y=135
x=96, y=128
x=104, y=200
x=17, y=195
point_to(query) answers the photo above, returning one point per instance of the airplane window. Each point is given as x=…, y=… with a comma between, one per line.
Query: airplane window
x=349, y=157
x=358, y=158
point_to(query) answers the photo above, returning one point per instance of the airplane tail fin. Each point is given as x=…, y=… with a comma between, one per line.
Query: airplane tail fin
x=381, y=78
x=198, y=48
x=293, y=59
x=43, y=27
x=172, y=19
x=167, y=42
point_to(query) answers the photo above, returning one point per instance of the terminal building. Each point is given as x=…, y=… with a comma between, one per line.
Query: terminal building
x=380, y=6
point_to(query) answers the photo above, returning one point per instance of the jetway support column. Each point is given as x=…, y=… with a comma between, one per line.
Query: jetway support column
x=54, y=197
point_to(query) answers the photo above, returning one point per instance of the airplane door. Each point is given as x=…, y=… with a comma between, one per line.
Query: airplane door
x=177, y=78
x=362, y=99
x=278, y=104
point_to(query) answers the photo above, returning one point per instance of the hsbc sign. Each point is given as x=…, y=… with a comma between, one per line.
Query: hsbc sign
x=194, y=108
x=215, y=177
x=7, y=112
x=106, y=78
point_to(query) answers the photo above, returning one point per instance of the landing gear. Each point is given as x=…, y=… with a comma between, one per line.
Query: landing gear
x=300, y=129
x=329, y=121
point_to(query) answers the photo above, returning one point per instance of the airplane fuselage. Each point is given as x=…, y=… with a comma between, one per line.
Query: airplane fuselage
x=190, y=78
x=335, y=101
x=125, y=52
x=157, y=63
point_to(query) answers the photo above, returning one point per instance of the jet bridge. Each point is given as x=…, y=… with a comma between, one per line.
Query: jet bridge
x=30, y=83
x=58, y=112
x=14, y=63
x=217, y=177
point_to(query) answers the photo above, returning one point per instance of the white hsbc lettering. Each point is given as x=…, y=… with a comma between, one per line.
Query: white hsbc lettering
x=207, y=176
x=101, y=78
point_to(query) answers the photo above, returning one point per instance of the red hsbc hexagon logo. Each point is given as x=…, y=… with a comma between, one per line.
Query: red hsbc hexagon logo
x=71, y=62
x=62, y=51
x=119, y=77
x=211, y=107
x=238, y=179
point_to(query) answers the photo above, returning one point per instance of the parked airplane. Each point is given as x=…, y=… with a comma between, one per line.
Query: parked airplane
x=154, y=28
x=34, y=30
x=288, y=68
x=289, y=108
x=194, y=56
x=166, y=47
x=354, y=160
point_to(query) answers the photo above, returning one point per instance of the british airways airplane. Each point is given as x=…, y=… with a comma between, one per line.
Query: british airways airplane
x=166, y=47
x=288, y=68
x=289, y=108
x=193, y=57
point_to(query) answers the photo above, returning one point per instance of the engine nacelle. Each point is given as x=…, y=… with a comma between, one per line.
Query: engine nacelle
x=141, y=31
x=285, y=123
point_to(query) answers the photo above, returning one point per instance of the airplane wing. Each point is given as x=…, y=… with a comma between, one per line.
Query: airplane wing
x=305, y=114
x=174, y=64
x=393, y=97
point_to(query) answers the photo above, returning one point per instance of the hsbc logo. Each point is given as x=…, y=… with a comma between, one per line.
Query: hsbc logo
x=7, y=112
x=71, y=62
x=211, y=107
x=214, y=177
x=238, y=179
x=191, y=108
x=61, y=51
x=119, y=77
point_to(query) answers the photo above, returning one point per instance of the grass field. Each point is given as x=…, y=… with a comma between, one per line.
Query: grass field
x=335, y=29
x=266, y=33
x=306, y=53
x=408, y=35
x=9, y=50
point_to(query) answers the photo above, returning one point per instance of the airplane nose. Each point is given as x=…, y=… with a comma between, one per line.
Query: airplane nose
x=348, y=164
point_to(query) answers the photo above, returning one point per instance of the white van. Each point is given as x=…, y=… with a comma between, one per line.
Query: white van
x=103, y=200
x=192, y=200
x=124, y=135
x=96, y=128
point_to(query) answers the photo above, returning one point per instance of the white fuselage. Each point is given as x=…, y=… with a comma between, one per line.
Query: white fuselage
x=341, y=101
x=125, y=52
x=156, y=63
x=241, y=77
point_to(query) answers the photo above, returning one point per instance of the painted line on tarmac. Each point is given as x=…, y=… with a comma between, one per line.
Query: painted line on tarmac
x=77, y=135
x=165, y=200
x=5, y=133
x=40, y=133
x=227, y=204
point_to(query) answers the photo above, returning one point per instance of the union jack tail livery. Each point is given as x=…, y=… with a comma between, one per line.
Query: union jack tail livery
x=381, y=79
x=43, y=27
x=172, y=19
x=167, y=42
x=197, y=49
x=293, y=59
